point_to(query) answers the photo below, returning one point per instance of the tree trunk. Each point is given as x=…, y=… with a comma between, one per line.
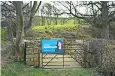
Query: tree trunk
x=61, y=21
x=104, y=21
x=47, y=21
x=105, y=32
x=20, y=27
x=43, y=20
x=10, y=31
x=33, y=11
x=50, y=20
x=56, y=20
x=10, y=37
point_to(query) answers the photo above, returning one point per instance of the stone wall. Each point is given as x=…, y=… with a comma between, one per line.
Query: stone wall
x=33, y=52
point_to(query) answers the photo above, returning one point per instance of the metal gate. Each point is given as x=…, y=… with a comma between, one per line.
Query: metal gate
x=73, y=57
x=51, y=60
x=76, y=49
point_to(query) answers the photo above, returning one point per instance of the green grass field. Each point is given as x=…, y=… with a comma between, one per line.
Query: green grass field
x=52, y=27
x=68, y=25
x=18, y=69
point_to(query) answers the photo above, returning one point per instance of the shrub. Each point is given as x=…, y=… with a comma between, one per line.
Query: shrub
x=101, y=55
x=109, y=58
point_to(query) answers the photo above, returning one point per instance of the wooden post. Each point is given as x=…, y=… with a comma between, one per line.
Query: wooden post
x=63, y=54
x=25, y=46
x=42, y=60
x=84, y=55
x=38, y=57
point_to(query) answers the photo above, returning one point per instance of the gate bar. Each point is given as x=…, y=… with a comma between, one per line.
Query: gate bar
x=51, y=59
x=44, y=56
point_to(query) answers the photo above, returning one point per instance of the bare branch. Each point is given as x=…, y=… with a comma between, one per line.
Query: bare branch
x=32, y=13
x=25, y=6
x=62, y=3
x=112, y=13
x=38, y=6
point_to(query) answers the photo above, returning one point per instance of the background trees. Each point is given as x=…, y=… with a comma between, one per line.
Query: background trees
x=99, y=14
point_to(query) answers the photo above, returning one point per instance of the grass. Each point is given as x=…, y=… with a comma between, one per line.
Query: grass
x=18, y=69
x=52, y=27
x=68, y=25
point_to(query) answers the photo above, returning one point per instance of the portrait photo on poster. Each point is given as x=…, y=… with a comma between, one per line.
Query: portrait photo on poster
x=59, y=48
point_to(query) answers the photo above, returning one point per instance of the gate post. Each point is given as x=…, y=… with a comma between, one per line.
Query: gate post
x=39, y=57
x=25, y=43
x=84, y=59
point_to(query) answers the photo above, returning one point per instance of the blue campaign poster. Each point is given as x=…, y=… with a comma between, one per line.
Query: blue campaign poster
x=52, y=46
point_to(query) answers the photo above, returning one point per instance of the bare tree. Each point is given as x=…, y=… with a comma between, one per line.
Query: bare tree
x=48, y=11
x=55, y=12
x=43, y=15
x=98, y=13
x=32, y=13
x=17, y=14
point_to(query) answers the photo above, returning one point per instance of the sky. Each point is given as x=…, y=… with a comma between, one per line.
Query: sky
x=81, y=9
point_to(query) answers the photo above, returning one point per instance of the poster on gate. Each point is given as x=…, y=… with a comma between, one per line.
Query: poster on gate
x=52, y=46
